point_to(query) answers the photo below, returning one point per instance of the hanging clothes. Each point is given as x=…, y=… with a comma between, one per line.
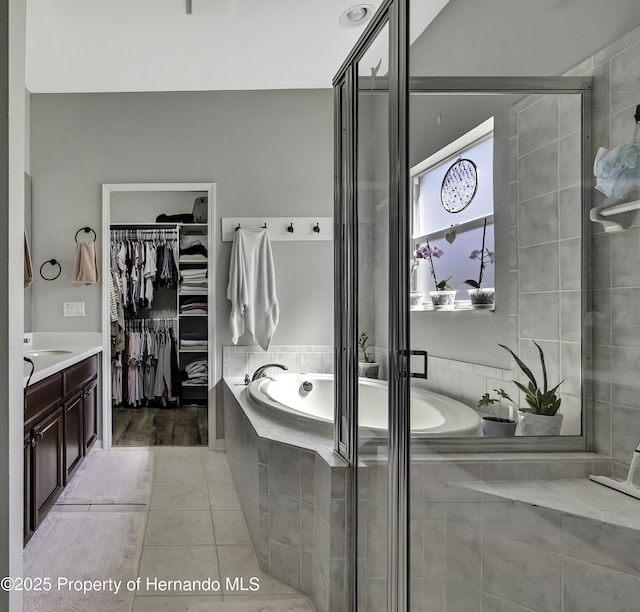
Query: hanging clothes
x=144, y=261
x=147, y=369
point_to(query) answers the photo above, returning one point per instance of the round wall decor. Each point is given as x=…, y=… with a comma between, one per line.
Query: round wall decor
x=459, y=185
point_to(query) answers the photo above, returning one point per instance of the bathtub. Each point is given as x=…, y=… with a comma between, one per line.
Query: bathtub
x=432, y=414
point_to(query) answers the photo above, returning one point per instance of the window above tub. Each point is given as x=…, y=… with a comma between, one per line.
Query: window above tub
x=453, y=225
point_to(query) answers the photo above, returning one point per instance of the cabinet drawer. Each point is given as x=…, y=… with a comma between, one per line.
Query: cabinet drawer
x=77, y=375
x=43, y=396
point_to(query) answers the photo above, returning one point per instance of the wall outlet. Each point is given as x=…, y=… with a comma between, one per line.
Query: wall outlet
x=73, y=309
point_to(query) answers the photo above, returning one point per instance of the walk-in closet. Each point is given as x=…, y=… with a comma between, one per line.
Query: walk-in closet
x=158, y=313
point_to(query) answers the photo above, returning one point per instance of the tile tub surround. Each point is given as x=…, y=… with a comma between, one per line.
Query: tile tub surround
x=291, y=488
x=240, y=360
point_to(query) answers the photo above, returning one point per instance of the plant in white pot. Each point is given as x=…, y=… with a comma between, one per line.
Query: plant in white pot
x=541, y=416
x=444, y=297
x=495, y=424
x=368, y=367
x=482, y=298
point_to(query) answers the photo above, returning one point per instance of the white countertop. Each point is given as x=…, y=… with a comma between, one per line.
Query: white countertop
x=79, y=346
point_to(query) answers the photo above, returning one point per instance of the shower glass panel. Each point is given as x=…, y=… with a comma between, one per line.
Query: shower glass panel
x=372, y=205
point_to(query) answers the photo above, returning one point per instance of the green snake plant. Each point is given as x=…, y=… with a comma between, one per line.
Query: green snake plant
x=540, y=401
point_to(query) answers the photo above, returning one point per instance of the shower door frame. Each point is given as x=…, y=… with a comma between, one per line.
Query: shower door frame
x=400, y=86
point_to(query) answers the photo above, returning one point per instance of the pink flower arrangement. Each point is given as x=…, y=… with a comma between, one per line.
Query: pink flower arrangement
x=428, y=252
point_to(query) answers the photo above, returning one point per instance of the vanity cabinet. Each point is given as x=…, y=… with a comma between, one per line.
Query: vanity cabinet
x=60, y=427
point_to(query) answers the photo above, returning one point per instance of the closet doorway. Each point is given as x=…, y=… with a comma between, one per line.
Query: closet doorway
x=158, y=314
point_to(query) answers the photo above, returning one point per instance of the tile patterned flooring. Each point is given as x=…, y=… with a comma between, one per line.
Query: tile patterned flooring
x=196, y=529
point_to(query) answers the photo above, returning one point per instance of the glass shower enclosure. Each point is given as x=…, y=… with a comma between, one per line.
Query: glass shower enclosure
x=464, y=359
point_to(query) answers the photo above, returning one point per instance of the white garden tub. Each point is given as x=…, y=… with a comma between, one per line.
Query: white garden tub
x=432, y=414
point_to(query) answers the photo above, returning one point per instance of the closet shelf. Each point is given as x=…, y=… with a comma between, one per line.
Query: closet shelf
x=201, y=262
x=202, y=350
x=193, y=315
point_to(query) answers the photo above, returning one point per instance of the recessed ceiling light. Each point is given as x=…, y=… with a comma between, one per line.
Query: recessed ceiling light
x=356, y=16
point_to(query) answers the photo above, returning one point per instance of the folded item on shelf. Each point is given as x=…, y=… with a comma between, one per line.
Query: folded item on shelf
x=194, y=258
x=187, y=240
x=193, y=290
x=196, y=248
x=194, y=273
x=190, y=343
x=179, y=218
x=194, y=300
x=193, y=335
x=200, y=304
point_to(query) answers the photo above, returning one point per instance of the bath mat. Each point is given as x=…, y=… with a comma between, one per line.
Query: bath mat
x=84, y=546
x=111, y=477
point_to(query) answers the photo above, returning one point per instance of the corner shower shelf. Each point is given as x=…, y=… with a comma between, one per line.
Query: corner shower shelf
x=601, y=214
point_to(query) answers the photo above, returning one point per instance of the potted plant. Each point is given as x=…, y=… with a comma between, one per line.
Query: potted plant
x=444, y=297
x=541, y=416
x=496, y=425
x=368, y=367
x=482, y=298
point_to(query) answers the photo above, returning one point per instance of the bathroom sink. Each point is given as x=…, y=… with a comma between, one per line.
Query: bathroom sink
x=46, y=353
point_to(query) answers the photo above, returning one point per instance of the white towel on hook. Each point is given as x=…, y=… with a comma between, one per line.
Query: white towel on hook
x=252, y=288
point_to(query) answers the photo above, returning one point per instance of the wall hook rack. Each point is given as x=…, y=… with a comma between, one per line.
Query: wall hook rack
x=280, y=229
x=87, y=229
x=53, y=262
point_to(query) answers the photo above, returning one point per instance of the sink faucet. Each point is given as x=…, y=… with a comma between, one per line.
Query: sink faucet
x=261, y=370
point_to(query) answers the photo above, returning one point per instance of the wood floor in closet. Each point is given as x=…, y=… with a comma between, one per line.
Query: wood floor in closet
x=183, y=426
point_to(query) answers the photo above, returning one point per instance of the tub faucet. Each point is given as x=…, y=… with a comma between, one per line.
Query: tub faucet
x=260, y=372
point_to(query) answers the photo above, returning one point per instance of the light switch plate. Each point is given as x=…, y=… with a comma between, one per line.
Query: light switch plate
x=73, y=309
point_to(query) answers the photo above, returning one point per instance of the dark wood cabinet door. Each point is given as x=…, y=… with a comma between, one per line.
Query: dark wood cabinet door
x=28, y=514
x=90, y=414
x=48, y=463
x=73, y=436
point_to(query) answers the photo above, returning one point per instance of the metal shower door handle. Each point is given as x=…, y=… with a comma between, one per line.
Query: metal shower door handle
x=422, y=374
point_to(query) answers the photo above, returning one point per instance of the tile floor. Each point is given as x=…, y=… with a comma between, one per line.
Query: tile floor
x=196, y=529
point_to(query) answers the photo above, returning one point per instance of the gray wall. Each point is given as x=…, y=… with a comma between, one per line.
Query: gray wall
x=269, y=152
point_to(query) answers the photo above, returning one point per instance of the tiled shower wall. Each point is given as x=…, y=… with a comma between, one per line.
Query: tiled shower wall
x=544, y=241
x=615, y=315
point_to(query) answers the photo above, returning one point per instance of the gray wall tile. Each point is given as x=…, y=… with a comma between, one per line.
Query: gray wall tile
x=536, y=526
x=570, y=212
x=625, y=253
x=569, y=160
x=538, y=221
x=461, y=597
x=625, y=69
x=284, y=519
x=321, y=546
x=540, y=315
x=593, y=588
x=570, y=265
x=284, y=469
x=524, y=574
x=538, y=173
x=625, y=431
x=463, y=554
x=625, y=365
x=284, y=564
x=306, y=528
x=537, y=125
x=625, y=308
x=538, y=268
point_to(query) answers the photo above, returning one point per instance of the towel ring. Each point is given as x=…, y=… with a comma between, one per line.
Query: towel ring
x=290, y=228
x=316, y=228
x=53, y=262
x=87, y=230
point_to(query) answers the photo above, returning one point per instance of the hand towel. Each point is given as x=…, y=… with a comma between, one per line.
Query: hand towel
x=85, y=265
x=28, y=265
x=252, y=287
